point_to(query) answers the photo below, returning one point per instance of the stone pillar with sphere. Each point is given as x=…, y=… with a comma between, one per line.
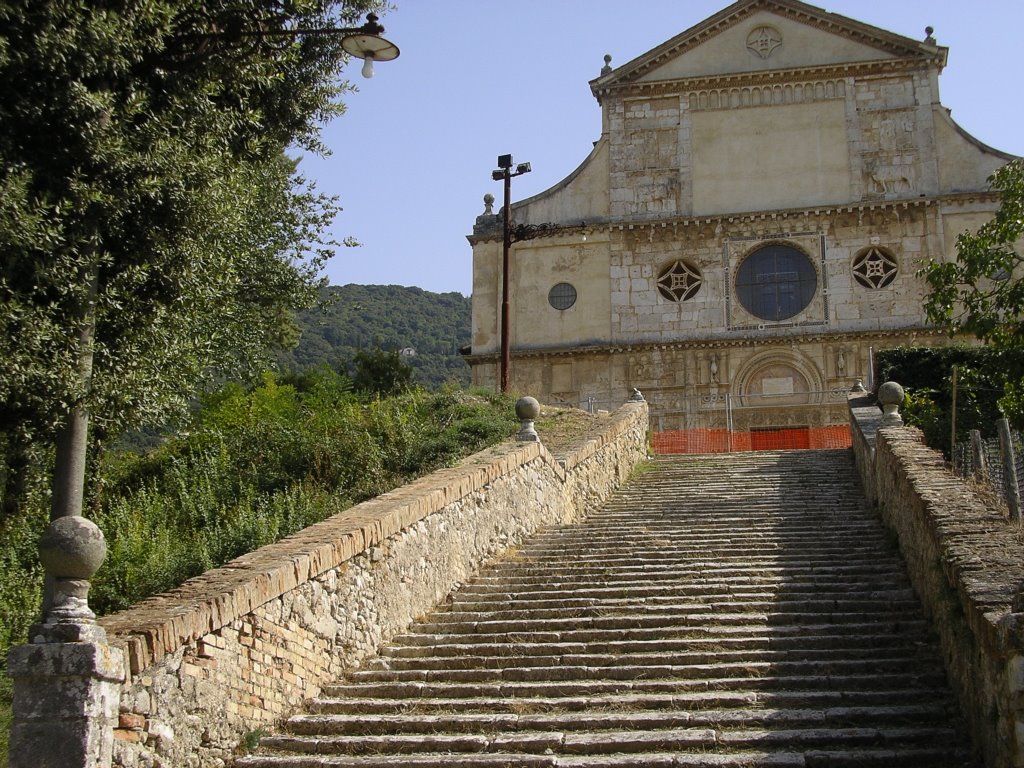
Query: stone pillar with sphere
x=67, y=680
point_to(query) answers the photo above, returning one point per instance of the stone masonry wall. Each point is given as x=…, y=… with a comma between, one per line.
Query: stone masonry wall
x=964, y=559
x=240, y=647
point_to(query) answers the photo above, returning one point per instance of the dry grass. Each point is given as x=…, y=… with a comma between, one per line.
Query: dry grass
x=561, y=428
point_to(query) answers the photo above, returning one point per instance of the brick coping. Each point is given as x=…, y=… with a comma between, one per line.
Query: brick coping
x=162, y=624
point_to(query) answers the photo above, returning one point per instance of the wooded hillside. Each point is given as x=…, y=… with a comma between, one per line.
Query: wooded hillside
x=388, y=317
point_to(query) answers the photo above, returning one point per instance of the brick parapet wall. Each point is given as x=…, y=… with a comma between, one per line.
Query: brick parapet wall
x=238, y=648
x=964, y=558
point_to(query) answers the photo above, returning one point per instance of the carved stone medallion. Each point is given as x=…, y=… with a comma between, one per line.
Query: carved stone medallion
x=764, y=40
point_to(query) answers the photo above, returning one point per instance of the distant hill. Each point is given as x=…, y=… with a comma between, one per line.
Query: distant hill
x=392, y=318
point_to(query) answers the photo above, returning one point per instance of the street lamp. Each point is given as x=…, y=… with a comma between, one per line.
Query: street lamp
x=208, y=35
x=234, y=32
x=226, y=34
x=68, y=661
x=505, y=174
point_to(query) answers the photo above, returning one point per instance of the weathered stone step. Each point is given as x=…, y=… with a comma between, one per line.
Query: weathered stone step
x=562, y=587
x=661, y=593
x=708, y=570
x=735, y=611
x=701, y=700
x=651, y=659
x=526, y=612
x=912, y=757
x=453, y=722
x=867, y=644
x=605, y=742
x=683, y=529
x=912, y=626
x=704, y=562
x=689, y=667
x=667, y=622
x=594, y=685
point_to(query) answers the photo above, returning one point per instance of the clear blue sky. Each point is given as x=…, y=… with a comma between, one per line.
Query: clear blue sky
x=412, y=156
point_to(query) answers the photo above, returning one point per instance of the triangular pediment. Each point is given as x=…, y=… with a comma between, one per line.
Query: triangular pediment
x=757, y=36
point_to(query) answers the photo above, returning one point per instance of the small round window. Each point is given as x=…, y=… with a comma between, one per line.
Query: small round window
x=679, y=281
x=776, y=282
x=875, y=268
x=562, y=296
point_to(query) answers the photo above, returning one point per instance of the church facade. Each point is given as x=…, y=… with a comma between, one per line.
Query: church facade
x=747, y=230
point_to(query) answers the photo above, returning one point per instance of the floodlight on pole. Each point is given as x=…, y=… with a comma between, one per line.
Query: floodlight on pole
x=505, y=174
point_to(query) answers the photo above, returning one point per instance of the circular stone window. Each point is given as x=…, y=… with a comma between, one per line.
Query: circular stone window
x=679, y=281
x=875, y=268
x=562, y=296
x=776, y=282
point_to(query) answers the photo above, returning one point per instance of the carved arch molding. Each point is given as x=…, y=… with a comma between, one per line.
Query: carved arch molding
x=779, y=377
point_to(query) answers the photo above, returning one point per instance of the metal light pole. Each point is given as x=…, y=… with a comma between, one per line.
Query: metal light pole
x=234, y=32
x=66, y=679
x=221, y=36
x=504, y=173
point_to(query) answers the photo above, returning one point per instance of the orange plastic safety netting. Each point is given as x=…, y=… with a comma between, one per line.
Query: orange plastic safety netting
x=725, y=441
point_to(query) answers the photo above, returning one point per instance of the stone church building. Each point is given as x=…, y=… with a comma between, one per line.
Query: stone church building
x=746, y=231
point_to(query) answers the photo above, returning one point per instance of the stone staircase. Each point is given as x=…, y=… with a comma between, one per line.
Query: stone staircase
x=727, y=610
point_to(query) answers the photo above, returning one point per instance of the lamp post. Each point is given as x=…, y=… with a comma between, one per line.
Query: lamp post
x=66, y=679
x=504, y=173
x=220, y=35
x=235, y=32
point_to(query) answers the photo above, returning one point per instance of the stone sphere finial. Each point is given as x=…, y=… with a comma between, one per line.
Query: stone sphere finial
x=72, y=548
x=71, y=551
x=607, y=64
x=637, y=396
x=527, y=411
x=890, y=397
x=929, y=40
x=488, y=204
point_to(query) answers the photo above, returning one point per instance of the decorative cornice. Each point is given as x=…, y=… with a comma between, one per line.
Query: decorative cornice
x=760, y=340
x=628, y=74
x=858, y=69
x=750, y=217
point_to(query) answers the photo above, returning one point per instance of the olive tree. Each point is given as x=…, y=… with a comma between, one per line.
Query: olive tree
x=152, y=232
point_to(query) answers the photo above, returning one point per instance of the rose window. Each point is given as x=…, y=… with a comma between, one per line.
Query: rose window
x=680, y=281
x=875, y=268
x=776, y=282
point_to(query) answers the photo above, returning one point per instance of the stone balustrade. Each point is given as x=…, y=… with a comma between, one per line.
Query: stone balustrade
x=234, y=650
x=964, y=559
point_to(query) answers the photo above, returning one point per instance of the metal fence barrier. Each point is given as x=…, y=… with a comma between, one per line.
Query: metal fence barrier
x=723, y=423
x=997, y=462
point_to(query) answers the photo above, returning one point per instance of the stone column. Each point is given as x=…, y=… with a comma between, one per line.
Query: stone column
x=67, y=680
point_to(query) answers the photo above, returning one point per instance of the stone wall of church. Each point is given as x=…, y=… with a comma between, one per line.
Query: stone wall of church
x=686, y=383
x=767, y=132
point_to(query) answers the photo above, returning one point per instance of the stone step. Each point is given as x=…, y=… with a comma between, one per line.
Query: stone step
x=734, y=611
x=594, y=719
x=706, y=571
x=629, y=658
x=526, y=613
x=691, y=739
x=527, y=686
x=691, y=667
x=910, y=757
x=857, y=644
x=912, y=627
x=626, y=700
x=667, y=622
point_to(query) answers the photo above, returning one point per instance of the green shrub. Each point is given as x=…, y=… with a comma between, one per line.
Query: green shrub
x=255, y=465
x=988, y=386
